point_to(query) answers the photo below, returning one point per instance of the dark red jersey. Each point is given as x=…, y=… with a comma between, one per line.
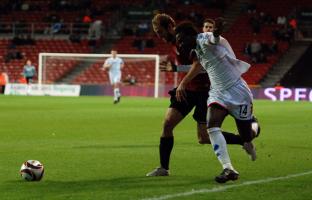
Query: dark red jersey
x=198, y=83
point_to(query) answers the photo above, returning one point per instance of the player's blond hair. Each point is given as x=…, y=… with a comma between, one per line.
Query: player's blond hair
x=162, y=20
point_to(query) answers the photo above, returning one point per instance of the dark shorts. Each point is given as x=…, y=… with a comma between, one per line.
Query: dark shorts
x=29, y=79
x=193, y=99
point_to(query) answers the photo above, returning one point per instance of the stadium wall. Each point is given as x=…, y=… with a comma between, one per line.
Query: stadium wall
x=274, y=93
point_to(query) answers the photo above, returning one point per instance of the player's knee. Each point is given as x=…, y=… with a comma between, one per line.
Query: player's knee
x=168, y=127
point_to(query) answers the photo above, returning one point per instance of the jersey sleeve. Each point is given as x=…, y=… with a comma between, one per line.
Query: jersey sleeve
x=227, y=46
x=207, y=39
x=108, y=61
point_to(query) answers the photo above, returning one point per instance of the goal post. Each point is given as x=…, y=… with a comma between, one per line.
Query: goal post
x=49, y=62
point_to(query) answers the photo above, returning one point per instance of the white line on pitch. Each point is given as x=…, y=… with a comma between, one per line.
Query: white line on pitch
x=223, y=188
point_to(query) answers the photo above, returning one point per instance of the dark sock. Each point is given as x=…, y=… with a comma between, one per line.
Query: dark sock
x=165, y=147
x=244, y=129
x=232, y=138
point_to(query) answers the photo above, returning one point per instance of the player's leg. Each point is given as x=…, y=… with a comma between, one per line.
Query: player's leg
x=200, y=115
x=216, y=116
x=202, y=133
x=245, y=130
x=117, y=91
x=175, y=114
x=116, y=82
x=172, y=118
x=112, y=80
x=255, y=126
x=203, y=137
x=242, y=113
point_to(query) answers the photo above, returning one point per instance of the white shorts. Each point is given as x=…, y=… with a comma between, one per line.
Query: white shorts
x=237, y=100
x=114, y=78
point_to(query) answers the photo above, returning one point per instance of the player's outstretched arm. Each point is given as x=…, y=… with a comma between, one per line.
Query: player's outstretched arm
x=167, y=66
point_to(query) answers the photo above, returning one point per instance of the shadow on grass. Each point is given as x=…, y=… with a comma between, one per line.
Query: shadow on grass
x=126, y=146
x=123, y=187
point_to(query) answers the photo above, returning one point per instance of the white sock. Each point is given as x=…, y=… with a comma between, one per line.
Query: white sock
x=116, y=91
x=219, y=146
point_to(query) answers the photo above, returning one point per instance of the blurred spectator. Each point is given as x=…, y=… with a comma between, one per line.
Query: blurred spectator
x=150, y=43
x=25, y=6
x=264, y=47
x=130, y=79
x=95, y=30
x=56, y=27
x=274, y=47
x=255, y=24
x=25, y=39
x=251, y=7
x=86, y=19
x=266, y=18
x=247, y=49
x=142, y=28
x=4, y=79
x=293, y=23
x=257, y=55
x=255, y=47
x=281, y=20
x=75, y=38
x=139, y=43
x=13, y=54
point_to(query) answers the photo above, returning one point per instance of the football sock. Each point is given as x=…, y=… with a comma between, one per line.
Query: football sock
x=219, y=146
x=116, y=94
x=232, y=138
x=165, y=147
x=244, y=129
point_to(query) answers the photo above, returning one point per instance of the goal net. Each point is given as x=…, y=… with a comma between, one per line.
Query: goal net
x=141, y=70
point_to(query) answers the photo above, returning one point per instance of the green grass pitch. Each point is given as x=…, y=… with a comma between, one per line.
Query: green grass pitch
x=92, y=149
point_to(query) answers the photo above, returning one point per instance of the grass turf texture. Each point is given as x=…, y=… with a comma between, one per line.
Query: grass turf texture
x=92, y=149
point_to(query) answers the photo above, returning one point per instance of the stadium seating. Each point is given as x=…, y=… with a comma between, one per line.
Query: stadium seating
x=14, y=67
x=239, y=33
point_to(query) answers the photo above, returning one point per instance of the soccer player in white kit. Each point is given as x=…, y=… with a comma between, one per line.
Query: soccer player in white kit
x=229, y=93
x=114, y=64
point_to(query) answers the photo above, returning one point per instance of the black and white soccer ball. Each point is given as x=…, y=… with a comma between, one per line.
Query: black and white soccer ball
x=32, y=170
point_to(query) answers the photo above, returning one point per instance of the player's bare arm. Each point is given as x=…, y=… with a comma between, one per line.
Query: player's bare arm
x=194, y=71
x=106, y=66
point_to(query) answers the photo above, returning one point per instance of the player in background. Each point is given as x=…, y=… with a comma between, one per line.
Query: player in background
x=114, y=64
x=229, y=93
x=29, y=71
x=197, y=94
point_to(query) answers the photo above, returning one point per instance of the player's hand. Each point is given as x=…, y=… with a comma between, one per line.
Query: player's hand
x=219, y=26
x=167, y=66
x=181, y=93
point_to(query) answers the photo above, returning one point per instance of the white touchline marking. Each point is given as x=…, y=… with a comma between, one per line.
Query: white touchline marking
x=223, y=188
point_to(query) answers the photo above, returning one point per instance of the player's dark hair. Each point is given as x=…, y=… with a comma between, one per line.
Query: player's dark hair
x=209, y=20
x=186, y=34
x=187, y=28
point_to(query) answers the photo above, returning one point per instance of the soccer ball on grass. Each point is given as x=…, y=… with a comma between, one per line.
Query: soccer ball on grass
x=32, y=170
